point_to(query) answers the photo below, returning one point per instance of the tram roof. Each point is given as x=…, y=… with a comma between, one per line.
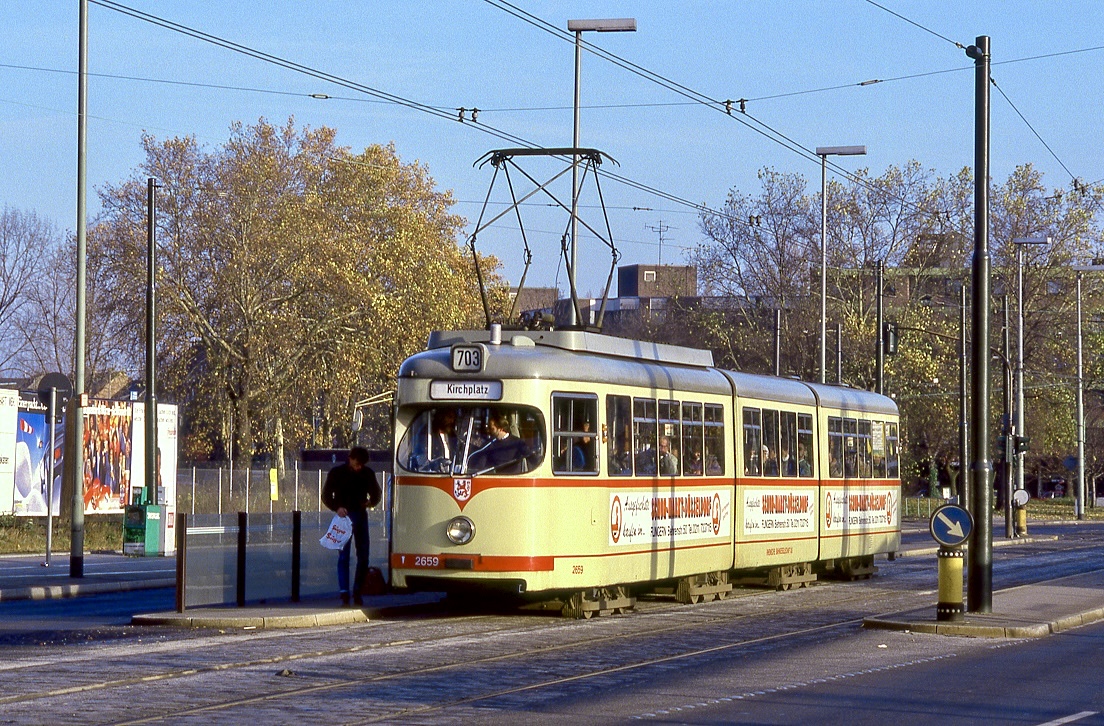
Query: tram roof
x=770, y=388
x=575, y=356
x=852, y=399
x=581, y=341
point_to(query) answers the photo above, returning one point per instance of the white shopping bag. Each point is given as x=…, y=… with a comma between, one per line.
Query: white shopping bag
x=341, y=529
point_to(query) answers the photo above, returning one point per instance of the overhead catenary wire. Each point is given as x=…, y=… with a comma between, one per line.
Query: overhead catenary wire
x=1023, y=118
x=368, y=90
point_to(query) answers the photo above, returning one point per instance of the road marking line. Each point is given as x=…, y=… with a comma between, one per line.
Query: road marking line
x=1069, y=719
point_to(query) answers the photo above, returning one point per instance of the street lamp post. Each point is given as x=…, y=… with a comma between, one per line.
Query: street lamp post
x=1079, y=502
x=615, y=25
x=824, y=152
x=1020, y=242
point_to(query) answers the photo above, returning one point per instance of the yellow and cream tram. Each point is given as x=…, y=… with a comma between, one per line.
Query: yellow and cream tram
x=586, y=468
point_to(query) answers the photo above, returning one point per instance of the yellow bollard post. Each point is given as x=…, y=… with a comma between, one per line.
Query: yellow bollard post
x=1021, y=521
x=949, y=606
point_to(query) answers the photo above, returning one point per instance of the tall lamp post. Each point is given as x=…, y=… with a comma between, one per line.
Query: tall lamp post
x=614, y=25
x=1020, y=242
x=824, y=152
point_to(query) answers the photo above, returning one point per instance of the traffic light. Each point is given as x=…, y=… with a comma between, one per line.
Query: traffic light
x=1021, y=443
x=889, y=338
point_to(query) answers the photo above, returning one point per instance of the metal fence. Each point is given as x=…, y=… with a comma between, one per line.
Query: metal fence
x=224, y=490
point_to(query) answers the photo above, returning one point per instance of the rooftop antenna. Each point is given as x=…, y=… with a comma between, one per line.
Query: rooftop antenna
x=661, y=228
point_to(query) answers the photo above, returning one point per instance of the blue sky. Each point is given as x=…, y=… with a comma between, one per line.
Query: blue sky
x=469, y=53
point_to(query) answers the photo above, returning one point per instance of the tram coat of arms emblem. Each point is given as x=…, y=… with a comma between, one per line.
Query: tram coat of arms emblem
x=461, y=489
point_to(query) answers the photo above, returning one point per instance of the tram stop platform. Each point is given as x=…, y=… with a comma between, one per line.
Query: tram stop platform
x=1028, y=611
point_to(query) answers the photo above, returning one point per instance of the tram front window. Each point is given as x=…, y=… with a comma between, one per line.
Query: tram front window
x=469, y=440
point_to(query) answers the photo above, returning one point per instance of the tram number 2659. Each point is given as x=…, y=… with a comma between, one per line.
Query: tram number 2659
x=468, y=358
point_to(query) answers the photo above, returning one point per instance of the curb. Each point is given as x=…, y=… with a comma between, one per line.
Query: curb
x=226, y=620
x=918, y=551
x=981, y=629
x=51, y=592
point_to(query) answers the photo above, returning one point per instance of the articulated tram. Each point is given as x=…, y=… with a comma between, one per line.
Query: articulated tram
x=576, y=467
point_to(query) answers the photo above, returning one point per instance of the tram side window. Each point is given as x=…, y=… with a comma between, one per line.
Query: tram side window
x=770, y=443
x=670, y=439
x=892, y=451
x=787, y=452
x=804, y=444
x=574, y=447
x=850, y=448
x=878, y=446
x=644, y=436
x=692, y=433
x=714, y=440
x=864, y=450
x=619, y=435
x=753, y=440
x=835, y=447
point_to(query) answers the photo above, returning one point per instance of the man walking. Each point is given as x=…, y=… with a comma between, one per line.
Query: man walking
x=349, y=491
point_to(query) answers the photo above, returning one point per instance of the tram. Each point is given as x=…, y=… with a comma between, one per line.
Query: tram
x=584, y=469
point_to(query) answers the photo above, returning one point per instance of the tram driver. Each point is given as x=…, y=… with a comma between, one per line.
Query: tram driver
x=504, y=453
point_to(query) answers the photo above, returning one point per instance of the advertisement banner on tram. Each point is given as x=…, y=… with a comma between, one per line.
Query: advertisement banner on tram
x=648, y=518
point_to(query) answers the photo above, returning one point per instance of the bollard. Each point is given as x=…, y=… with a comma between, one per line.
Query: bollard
x=949, y=606
x=1021, y=521
x=243, y=529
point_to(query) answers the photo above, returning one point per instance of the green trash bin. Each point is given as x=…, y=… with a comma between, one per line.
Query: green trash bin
x=142, y=530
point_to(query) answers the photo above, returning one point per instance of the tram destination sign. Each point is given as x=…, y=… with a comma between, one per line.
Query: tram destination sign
x=951, y=525
x=465, y=390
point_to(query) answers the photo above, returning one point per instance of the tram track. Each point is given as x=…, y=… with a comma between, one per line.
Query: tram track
x=627, y=629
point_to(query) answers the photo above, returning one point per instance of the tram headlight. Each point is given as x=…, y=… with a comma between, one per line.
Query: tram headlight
x=460, y=530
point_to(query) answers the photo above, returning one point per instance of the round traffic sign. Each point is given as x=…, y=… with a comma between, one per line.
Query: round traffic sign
x=1020, y=497
x=951, y=525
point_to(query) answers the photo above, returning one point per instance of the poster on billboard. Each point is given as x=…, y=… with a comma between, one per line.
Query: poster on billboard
x=167, y=459
x=32, y=459
x=107, y=456
x=9, y=422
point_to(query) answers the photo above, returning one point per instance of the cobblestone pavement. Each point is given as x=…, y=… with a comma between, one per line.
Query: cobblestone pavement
x=444, y=667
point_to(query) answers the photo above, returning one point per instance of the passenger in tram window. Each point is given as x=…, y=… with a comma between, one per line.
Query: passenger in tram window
x=646, y=462
x=788, y=464
x=803, y=466
x=668, y=459
x=505, y=452
x=620, y=464
x=583, y=454
x=835, y=470
x=751, y=463
x=770, y=462
x=713, y=466
x=694, y=466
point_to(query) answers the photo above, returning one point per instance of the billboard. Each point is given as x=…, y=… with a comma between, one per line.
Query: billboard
x=166, y=474
x=107, y=455
x=32, y=459
x=9, y=422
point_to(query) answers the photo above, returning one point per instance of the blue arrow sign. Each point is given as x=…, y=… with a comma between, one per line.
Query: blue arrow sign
x=951, y=525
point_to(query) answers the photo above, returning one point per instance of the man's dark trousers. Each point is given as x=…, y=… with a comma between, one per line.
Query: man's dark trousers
x=360, y=537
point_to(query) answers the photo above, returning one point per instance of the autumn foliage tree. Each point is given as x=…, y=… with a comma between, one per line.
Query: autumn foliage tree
x=293, y=277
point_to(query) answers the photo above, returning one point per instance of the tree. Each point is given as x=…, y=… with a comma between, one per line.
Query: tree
x=293, y=276
x=27, y=244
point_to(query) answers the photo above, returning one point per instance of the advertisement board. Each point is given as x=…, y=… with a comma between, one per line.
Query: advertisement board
x=9, y=422
x=167, y=458
x=32, y=459
x=107, y=455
